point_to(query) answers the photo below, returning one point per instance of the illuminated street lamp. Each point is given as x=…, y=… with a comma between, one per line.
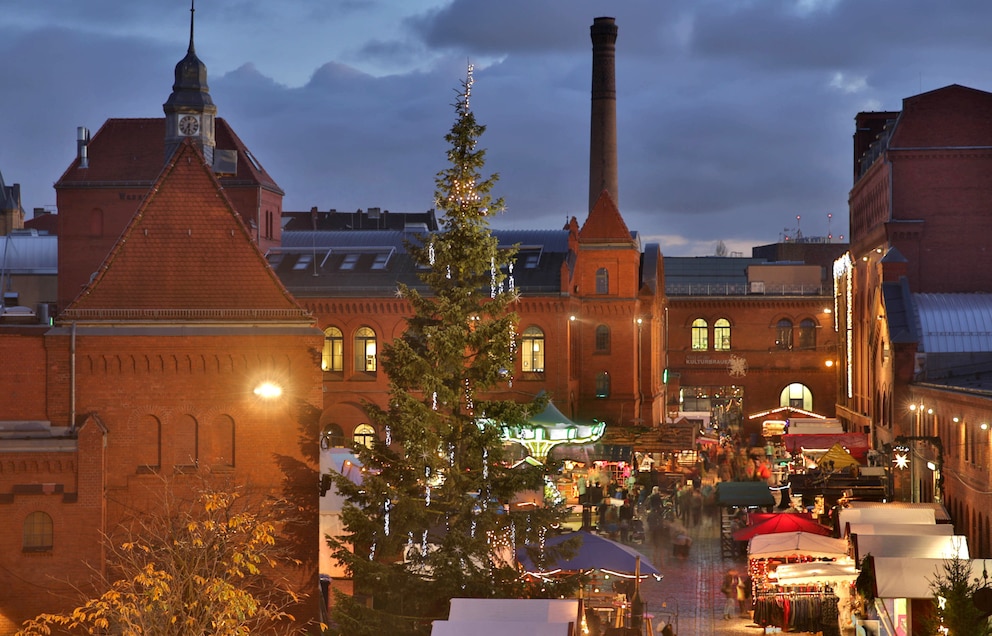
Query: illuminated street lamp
x=268, y=390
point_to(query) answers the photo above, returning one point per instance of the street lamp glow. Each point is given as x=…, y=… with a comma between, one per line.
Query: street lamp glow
x=268, y=390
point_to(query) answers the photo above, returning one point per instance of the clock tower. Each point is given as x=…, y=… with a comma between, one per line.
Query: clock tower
x=189, y=111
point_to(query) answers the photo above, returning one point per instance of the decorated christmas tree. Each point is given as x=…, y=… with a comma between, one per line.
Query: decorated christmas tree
x=431, y=519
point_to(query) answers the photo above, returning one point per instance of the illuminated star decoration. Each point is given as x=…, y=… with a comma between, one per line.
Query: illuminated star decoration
x=901, y=461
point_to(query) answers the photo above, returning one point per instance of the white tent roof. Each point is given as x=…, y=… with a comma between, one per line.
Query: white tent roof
x=909, y=546
x=884, y=514
x=787, y=544
x=897, y=577
x=943, y=529
x=498, y=617
x=817, y=572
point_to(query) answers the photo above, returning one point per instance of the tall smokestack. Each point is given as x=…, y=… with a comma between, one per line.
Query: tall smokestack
x=603, y=128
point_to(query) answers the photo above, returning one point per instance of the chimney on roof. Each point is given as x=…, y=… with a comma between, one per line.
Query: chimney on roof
x=603, y=128
x=82, y=146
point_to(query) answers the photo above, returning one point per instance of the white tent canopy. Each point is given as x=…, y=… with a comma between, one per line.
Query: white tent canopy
x=812, y=572
x=942, y=529
x=790, y=544
x=898, y=577
x=498, y=617
x=909, y=546
x=886, y=515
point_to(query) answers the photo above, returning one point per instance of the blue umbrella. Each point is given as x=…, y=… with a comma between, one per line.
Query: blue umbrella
x=595, y=552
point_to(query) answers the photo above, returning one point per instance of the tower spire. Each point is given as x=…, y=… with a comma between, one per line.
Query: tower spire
x=192, y=13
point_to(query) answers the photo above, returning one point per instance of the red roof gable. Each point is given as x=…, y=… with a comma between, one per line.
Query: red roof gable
x=186, y=253
x=604, y=224
x=132, y=151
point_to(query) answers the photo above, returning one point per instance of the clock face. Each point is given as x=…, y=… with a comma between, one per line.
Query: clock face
x=189, y=125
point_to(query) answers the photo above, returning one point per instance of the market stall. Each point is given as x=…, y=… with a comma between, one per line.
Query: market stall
x=799, y=603
x=909, y=546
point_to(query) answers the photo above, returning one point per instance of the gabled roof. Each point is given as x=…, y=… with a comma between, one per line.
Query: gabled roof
x=186, y=254
x=604, y=224
x=131, y=152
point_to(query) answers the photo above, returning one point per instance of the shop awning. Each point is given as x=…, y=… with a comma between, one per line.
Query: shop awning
x=796, y=544
x=744, y=494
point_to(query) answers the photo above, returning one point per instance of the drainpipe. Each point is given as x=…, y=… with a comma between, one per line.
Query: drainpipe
x=72, y=380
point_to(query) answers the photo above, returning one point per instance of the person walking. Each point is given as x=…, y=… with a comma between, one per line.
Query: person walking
x=626, y=516
x=731, y=580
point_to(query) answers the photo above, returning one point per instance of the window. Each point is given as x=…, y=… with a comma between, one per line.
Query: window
x=332, y=358
x=532, y=344
x=807, y=334
x=365, y=350
x=349, y=261
x=148, y=444
x=184, y=451
x=797, y=395
x=700, y=335
x=302, y=262
x=332, y=437
x=364, y=435
x=602, y=281
x=603, y=384
x=783, y=334
x=602, y=338
x=217, y=442
x=721, y=335
x=38, y=532
x=379, y=260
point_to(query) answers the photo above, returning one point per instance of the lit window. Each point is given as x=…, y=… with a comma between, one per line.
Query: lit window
x=602, y=281
x=807, y=334
x=721, y=335
x=532, y=346
x=365, y=350
x=602, y=384
x=602, y=338
x=38, y=532
x=332, y=358
x=700, y=335
x=783, y=334
x=364, y=435
x=797, y=395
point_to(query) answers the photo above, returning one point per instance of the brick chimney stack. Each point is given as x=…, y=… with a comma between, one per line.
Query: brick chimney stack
x=603, y=128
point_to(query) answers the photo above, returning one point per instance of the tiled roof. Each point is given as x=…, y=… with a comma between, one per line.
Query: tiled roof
x=132, y=152
x=605, y=224
x=369, y=263
x=186, y=253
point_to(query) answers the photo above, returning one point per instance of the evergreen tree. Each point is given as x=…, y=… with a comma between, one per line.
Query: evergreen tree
x=954, y=611
x=428, y=522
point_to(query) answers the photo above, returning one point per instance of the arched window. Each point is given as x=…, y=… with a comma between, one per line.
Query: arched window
x=183, y=438
x=783, y=334
x=721, y=335
x=332, y=437
x=602, y=281
x=39, y=535
x=217, y=446
x=797, y=395
x=332, y=358
x=807, y=334
x=532, y=350
x=603, y=384
x=700, y=335
x=364, y=435
x=148, y=444
x=365, y=350
x=602, y=339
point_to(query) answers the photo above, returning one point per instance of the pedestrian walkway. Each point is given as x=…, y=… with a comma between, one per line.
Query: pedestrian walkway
x=689, y=595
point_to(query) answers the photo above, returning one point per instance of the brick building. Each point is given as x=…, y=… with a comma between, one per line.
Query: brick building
x=147, y=376
x=914, y=295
